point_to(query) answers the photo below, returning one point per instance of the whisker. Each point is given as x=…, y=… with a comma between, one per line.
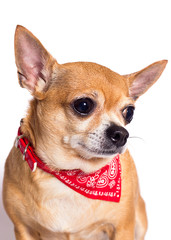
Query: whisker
x=135, y=137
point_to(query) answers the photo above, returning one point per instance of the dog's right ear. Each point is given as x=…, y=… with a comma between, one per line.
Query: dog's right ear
x=141, y=81
x=34, y=63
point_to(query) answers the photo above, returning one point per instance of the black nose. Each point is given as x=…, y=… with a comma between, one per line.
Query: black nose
x=118, y=135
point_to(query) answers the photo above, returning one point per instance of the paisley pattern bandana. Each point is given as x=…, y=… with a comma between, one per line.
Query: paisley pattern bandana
x=104, y=184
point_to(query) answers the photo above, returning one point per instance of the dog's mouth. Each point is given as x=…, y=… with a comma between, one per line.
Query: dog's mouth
x=89, y=152
x=100, y=144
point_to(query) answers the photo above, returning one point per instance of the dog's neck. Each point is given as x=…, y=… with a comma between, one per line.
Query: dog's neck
x=104, y=184
x=28, y=124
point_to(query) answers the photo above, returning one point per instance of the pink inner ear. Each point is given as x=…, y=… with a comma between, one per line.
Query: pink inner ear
x=31, y=56
x=144, y=80
x=30, y=59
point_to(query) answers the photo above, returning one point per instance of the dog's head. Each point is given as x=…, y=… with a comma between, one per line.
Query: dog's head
x=79, y=111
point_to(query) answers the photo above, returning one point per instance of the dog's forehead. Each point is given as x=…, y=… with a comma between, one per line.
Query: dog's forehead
x=85, y=75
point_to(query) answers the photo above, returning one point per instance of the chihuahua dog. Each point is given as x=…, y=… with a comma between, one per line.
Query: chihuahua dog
x=74, y=126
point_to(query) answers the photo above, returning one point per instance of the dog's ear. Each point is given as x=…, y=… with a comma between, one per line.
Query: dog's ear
x=141, y=81
x=33, y=61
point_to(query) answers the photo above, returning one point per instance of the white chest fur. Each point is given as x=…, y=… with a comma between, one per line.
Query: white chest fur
x=64, y=210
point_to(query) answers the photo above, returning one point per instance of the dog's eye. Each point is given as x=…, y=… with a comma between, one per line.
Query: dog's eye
x=83, y=106
x=128, y=113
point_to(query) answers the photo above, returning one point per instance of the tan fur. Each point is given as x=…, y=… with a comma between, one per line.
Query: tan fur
x=39, y=205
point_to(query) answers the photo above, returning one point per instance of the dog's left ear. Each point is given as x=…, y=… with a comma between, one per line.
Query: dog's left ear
x=141, y=81
x=34, y=63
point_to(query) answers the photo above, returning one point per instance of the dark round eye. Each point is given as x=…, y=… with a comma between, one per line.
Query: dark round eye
x=128, y=113
x=83, y=106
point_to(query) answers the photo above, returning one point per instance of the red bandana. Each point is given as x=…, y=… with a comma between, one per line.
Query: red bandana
x=104, y=184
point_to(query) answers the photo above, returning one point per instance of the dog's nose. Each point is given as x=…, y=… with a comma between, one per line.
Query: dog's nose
x=118, y=135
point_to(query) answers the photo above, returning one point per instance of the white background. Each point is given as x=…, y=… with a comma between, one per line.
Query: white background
x=125, y=36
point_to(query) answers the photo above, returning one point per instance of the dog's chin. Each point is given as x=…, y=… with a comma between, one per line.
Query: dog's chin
x=89, y=153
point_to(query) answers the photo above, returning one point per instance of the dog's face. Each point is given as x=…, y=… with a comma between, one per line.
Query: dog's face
x=80, y=110
x=97, y=106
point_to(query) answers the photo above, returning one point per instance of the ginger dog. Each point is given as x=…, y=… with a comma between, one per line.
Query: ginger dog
x=75, y=122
